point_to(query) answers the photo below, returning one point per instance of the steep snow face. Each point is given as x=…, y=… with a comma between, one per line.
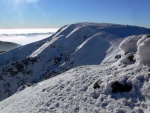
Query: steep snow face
x=91, y=51
x=105, y=88
x=71, y=46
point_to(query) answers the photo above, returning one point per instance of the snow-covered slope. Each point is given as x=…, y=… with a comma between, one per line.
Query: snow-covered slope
x=71, y=46
x=112, y=87
x=6, y=46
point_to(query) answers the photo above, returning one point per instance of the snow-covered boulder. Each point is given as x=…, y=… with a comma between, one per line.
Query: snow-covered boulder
x=129, y=44
x=128, y=58
x=144, y=37
x=143, y=53
x=136, y=48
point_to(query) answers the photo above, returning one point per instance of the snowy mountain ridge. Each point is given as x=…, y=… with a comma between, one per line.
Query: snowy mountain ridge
x=72, y=46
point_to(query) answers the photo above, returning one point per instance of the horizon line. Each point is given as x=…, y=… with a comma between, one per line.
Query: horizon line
x=30, y=28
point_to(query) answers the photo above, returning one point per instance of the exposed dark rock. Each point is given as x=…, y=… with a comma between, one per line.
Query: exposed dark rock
x=97, y=84
x=126, y=53
x=57, y=59
x=2, y=52
x=149, y=72
x=118, y=87
x=148, y=35
x=29, y=72
x=20, y=67
x=131, y=58
x=84, y=36
x=118, y=56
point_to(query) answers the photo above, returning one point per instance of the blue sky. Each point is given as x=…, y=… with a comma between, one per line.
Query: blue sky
x=56, y=13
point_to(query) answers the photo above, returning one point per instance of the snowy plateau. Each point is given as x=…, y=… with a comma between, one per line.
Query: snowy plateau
x=82, y=68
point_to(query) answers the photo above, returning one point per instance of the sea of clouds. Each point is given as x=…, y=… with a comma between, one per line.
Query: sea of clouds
x=25, y=36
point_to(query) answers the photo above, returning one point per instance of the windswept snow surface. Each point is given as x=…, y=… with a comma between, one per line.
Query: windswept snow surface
x=84, y=89
x=74, y=91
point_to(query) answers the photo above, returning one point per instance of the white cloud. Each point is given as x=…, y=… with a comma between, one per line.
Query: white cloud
x=22, y=39
x=21, y=36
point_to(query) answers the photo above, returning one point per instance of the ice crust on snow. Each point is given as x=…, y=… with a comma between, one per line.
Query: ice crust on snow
x=91, y=48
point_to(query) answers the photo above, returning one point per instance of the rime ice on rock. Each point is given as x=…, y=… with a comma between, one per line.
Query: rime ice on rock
x=143, y=53
x=139, y=47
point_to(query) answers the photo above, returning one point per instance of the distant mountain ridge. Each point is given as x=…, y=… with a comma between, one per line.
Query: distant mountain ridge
x=71, y=46
x=6, y=46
